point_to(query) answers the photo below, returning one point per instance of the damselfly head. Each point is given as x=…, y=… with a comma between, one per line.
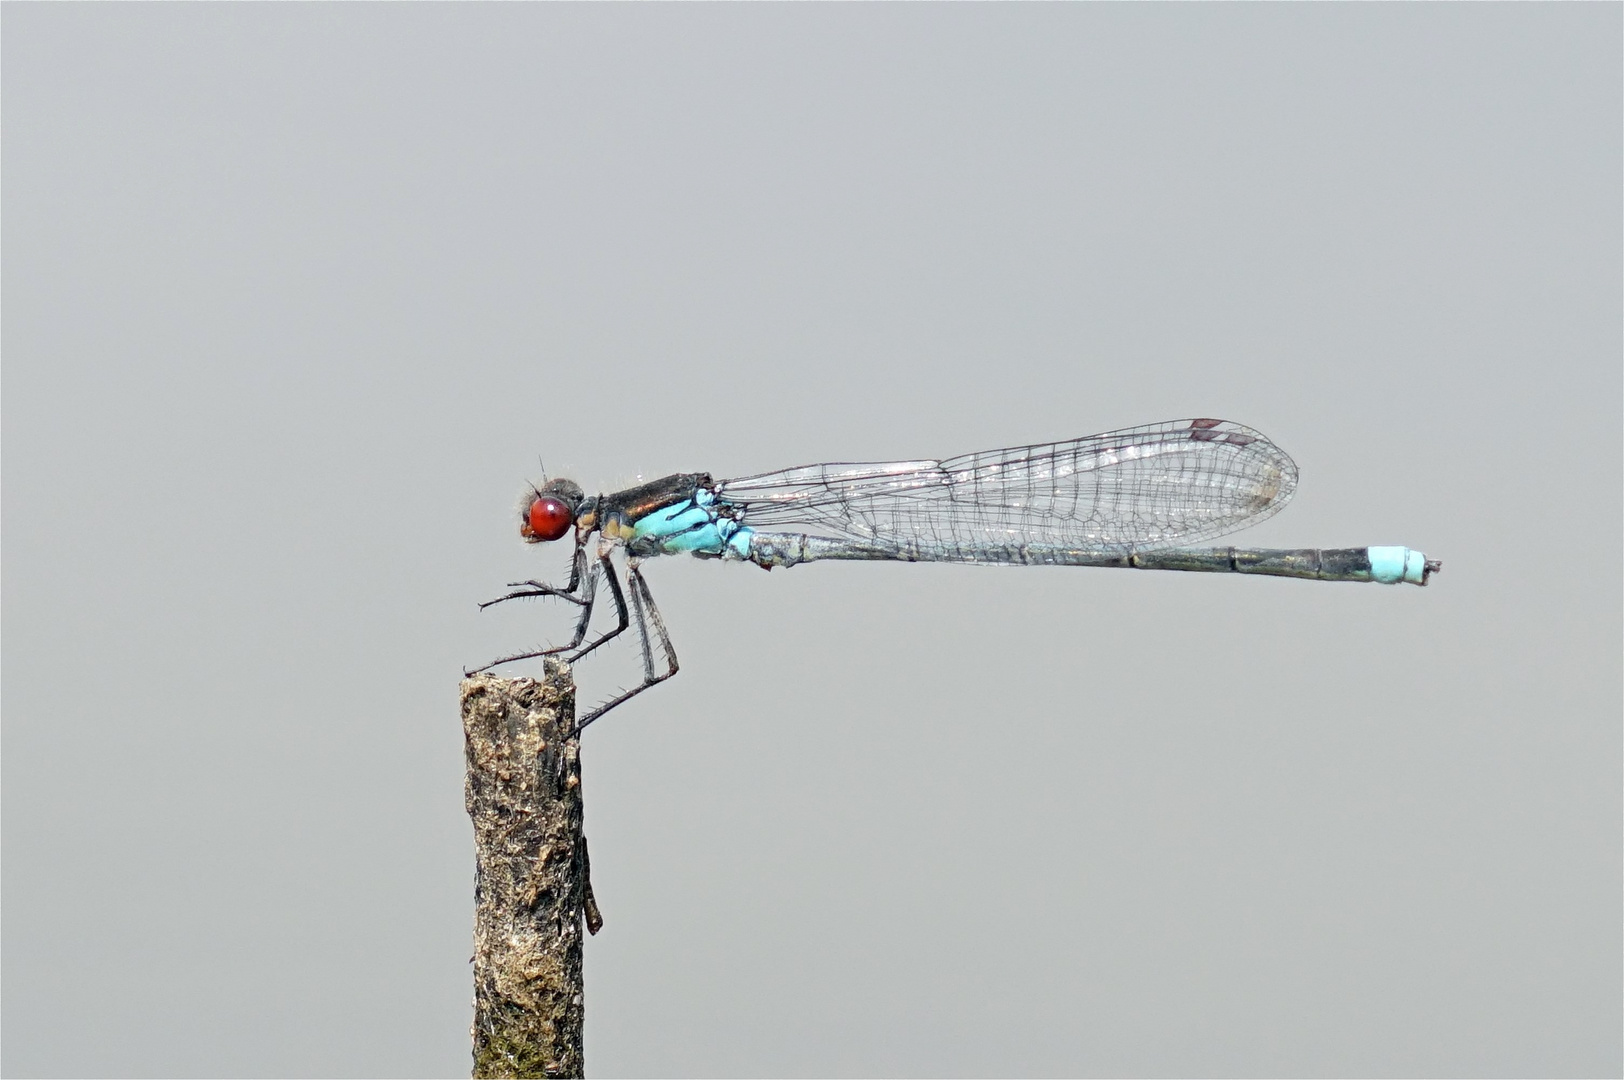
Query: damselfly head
x=548, y=511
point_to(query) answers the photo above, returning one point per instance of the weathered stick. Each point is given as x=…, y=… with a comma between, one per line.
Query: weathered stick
x=531, y=879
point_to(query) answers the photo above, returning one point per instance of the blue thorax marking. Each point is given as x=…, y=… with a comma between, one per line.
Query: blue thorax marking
x=692, y=525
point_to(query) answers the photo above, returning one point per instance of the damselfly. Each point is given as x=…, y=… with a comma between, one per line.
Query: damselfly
x=1129, y=498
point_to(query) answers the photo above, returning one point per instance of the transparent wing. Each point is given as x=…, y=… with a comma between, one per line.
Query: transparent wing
x=1141, y=488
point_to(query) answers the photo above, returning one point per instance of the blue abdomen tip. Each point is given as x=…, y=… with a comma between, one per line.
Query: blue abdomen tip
x=1391, y=565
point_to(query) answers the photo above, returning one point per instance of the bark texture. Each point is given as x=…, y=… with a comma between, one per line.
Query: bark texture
x=531, y=887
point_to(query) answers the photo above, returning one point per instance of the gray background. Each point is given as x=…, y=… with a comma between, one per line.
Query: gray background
x=295, y=296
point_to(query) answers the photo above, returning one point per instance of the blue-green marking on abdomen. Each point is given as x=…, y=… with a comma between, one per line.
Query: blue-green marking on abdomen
x=1391, y=565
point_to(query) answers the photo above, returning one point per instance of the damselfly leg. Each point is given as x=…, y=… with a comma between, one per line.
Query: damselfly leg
x=581, y=590
x=644, y=612
x=622, y=620
x=571, y=592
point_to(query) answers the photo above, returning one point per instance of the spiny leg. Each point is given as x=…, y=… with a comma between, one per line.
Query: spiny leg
x=583, y=579
x=578, y=568
x=633, y=575
x=620, y=608
x=658, y=620
x=646, y=612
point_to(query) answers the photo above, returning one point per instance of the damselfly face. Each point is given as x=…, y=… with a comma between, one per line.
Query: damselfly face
x=548, y=511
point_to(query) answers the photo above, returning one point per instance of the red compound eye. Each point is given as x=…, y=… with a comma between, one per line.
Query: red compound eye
x=549, y=518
